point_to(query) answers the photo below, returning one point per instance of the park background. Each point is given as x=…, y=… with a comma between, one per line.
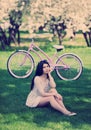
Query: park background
x=13, y=92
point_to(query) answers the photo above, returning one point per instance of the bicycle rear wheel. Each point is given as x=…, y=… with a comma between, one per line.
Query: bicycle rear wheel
x=69, y=67
x=20, y=64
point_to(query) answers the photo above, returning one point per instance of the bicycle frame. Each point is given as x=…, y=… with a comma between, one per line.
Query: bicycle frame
x=50, y=60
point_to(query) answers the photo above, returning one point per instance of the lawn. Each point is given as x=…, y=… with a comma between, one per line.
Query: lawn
x=14, y=115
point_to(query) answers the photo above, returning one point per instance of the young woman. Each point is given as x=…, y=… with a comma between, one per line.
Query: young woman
x=43, y=90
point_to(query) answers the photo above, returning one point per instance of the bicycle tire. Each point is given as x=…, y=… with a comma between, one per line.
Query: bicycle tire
x=74, y=70
x=19, y=67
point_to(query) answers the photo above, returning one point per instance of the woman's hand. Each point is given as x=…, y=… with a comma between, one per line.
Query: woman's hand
x=55, y=93
x=50, y=70
x=59, y=96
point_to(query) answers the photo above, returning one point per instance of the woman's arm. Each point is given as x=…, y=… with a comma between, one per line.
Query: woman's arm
x=51, y=81
x=53, y=87
x=57, y=95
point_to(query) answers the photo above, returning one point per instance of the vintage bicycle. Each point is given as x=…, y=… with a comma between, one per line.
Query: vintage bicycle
x=21, y=63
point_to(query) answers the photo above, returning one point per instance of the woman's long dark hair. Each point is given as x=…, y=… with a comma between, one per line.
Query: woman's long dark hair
x=39, y=71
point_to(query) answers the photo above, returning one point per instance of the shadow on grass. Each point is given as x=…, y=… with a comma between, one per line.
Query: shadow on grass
x=77, y=97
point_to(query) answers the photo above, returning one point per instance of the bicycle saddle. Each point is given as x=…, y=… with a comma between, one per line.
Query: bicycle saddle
x=58, y=47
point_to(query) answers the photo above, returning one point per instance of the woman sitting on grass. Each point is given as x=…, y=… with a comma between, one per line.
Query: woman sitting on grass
x=43, y=90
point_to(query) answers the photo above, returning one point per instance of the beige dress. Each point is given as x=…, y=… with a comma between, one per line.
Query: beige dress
x=35, y=95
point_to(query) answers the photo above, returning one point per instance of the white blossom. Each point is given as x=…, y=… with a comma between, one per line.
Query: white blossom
x=76, y=14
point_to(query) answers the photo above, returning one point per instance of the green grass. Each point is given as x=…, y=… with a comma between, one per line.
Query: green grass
x=14, y=115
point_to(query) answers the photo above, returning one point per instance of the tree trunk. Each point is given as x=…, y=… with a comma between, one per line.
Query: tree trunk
x=3, y=39
x=59, y=37
x=90, y=37
x=14, y=35
x=18, y=37
x=87, y=38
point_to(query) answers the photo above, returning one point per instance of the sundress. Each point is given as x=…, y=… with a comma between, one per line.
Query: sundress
x=35, y=95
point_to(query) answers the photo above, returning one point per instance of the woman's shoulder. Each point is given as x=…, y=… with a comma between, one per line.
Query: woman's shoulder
x=36, y=78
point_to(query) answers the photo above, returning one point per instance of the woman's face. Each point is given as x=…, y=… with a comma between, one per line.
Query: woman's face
x=46, y=69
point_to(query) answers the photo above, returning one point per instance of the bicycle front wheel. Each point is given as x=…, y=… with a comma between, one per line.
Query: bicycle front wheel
x=69, y=67
x=20, y=64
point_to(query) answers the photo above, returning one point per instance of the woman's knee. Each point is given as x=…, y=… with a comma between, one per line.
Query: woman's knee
x=51, y=98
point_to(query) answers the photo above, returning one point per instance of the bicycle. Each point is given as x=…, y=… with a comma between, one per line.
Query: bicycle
x=21, y=63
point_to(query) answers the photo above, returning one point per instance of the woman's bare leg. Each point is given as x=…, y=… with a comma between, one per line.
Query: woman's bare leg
x=53, y=103
x=60, y=102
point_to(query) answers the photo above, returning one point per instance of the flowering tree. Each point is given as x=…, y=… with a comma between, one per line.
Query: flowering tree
x=76, y=20
x=63, y=17
x=5, y=8
x=10, y=20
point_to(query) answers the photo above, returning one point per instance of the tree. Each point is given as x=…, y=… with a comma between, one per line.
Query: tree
x=5, y=8
x=76, y=20
x=10, y=20
x=15, y=21
x=65, y=17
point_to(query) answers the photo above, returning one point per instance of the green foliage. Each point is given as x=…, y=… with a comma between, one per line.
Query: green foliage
x=14, y=115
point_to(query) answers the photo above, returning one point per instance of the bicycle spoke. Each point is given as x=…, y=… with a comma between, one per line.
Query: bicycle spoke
x=70, y=67
x=20, y=65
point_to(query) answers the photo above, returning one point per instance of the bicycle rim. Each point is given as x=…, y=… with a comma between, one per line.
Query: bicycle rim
x=20, y=64
x=73, y=68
